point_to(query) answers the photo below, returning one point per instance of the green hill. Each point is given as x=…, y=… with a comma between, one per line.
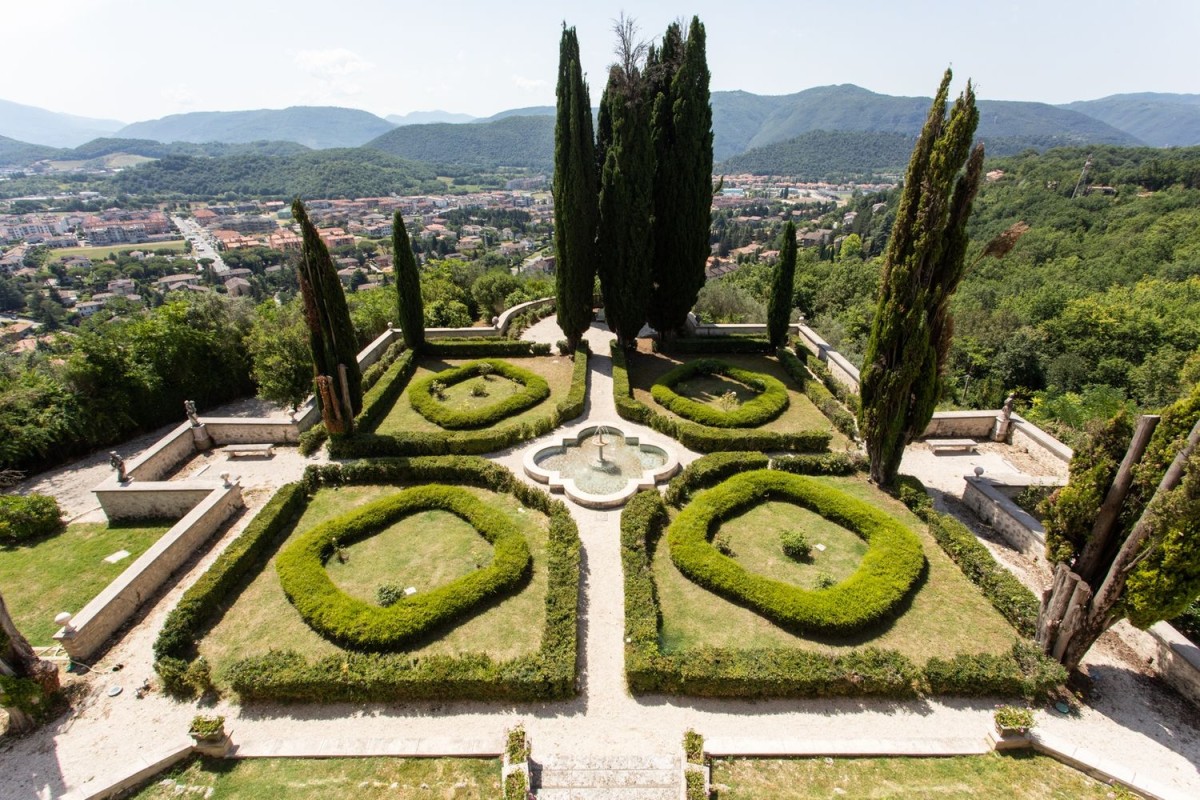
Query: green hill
x=508, y=142
x=827, y=155
x=20, y=154
x=1161, y=120
x=345, y=172
x=317, y=127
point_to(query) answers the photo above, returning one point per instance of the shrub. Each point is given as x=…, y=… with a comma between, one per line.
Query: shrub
x=483, y=348
x=389, y=594
x=770, y=402
x=694, y=785
x=840, y=390
x=373, y=373
x=199, y=676
x=796, y=545
x=886, y=574
x=824, y=580
x=821, y=464
x=710, y=470
x=515, y=786
x=702, y=438
x=355, y=623
x=516, y=746
x=693, y=747
x=1013, y=718
x=312, y=439
x=819, y=393
x=716, y=345
x=27, y=518
x=723, y=544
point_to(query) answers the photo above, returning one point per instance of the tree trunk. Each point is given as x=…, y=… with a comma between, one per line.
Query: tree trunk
x=17, y=660
x=1072, y=617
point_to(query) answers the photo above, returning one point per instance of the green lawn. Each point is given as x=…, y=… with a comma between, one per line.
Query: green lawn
x=423, y=550
x=322, y=778
x=800, y=415
x=1020, y=776
x=64, y=572
x=557, y=371
x=947, y=615
x=175, y=246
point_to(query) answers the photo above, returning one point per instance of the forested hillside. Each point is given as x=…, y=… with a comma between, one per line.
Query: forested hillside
x=825, y=155
x=1158, y=119
x=520, y=141
x=1096, y=307
x=311, y=126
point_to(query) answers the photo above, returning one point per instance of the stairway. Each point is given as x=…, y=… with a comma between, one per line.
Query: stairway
x=607, y=778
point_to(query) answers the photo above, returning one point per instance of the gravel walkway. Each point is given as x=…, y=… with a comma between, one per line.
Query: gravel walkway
x=1136, y=722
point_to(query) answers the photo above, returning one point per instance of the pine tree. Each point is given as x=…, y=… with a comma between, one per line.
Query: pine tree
x=682, y=130
x=408, y=286
x=576, y=195
x=331, y=334
x=912, y=329
x=780, y=308
x=626, y=235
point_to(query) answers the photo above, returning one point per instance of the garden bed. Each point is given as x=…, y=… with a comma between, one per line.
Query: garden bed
x=517, y=641
x=508, y=410
x=64, y=572
x=945, y=637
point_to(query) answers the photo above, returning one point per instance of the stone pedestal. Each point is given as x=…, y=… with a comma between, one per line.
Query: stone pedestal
x=201, y=438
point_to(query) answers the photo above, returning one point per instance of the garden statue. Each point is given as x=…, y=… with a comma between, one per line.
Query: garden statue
x=189, y=407
x=118, y=463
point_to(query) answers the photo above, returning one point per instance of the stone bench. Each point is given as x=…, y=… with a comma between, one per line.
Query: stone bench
x=943, y=445
x=234, y=450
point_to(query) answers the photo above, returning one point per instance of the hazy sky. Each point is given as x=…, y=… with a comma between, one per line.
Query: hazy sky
x=141, y=59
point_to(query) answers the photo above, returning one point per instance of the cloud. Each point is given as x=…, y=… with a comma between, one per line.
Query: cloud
x=179, y=96
x=335, y=62
x=530, y=85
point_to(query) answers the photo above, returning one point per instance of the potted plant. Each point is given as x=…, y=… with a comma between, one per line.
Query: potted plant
x=1013, y=720
x=208, y=735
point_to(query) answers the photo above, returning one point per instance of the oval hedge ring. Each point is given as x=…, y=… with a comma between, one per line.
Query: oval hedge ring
x=769, y=403
x=893, y=561
x=366, y=626
x=534, y=389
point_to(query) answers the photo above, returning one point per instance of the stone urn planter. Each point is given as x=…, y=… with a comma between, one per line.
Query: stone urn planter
x=209, y=737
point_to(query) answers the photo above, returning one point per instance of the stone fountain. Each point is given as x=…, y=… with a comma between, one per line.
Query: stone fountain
x=600, y=467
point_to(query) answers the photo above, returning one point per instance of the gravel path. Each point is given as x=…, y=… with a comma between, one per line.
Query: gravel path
x=1134, y=721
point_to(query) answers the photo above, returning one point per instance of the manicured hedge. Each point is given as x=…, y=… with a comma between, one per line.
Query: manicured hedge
x=201, y=604
x=820, y=396
x=550, y=673
x=366, y=444
x=840, y=390
x=26, y=518
x=702, y=438
x=780, y=672
x=1015, y=602
x=822, y=463
x=373, y=373
x=485, y=347
x=710, y=470
x=420, y=394
x=769, y=403
x=366, y=626
x=893, y=562
x=716, y=345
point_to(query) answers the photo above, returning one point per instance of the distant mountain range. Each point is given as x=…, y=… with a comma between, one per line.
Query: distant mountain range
x=317, y=127
x=771, y=131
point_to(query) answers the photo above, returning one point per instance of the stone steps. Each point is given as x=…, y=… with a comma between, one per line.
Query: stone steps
x=608, y=778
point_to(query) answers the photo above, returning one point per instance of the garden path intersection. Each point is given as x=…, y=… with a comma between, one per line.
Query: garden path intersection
x=106, y=738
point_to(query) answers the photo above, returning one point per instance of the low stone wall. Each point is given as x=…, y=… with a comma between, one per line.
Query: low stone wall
x=1043, y=447
x=960, y=425
x=1014, y=524
x=842, y=370
x=509, y=314
x=92, y=625
x=1178, y=661
x=239, y=430
x=729, y=329
x=163, y=455
x=151, y=499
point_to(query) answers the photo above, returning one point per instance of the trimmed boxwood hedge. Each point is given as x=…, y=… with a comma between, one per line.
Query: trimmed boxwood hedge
x=781, y=672
x=364, y=443
x=769, y=403
x=285, y=675
x=355, y=623
x=483, y=347
x=717, y=344
x=820, y=396
x=420, y=395
x=841, y=391
x=710, y=470
x=893, y=562
x=702, y=438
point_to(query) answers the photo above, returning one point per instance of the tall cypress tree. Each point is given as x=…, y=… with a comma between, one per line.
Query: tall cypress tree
x=682, y=129
x=331, y=333
x=784, y=277
x=911, y=332
x=576, y=195
x=410, y=308
x=626, y=235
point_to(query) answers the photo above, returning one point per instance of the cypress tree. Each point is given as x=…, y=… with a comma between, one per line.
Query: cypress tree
x=331, y=333
x=780, y=308
x=576, y=195
x=408, y=286
x=911, y=332
x=682, y=129
x=626, y=235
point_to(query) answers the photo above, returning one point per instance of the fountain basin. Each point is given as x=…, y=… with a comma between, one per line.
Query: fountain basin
x=596, y=475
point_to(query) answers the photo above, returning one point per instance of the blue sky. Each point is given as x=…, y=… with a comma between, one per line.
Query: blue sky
x=142, y=59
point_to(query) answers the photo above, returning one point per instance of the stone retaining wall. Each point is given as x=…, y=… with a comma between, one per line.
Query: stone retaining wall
x=1014, y=524
x=1178, y=661
x=163, y=455
x=92, y=626
x=1043, y=447
x=239, y=430
x=151, y=499
x=842, y=370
